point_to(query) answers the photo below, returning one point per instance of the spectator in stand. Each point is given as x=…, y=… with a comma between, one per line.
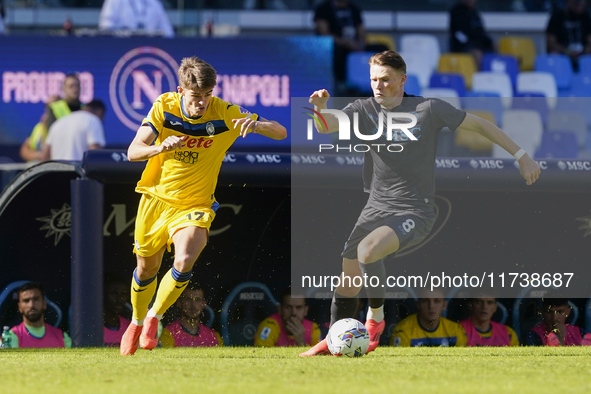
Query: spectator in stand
x=116, y=293
x=553, y=330
x=569, y=31
x=341, y=20
x=427, y=327
x=481, y=330
x=69, y=137
x=467, y=32
x=32, y=147
x=188, y=331
x=33, y=331
x=288, y=327
x=142, y=17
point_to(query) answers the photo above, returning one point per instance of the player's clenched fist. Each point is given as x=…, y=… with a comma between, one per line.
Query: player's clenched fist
x=171, y=143
x=319, y=98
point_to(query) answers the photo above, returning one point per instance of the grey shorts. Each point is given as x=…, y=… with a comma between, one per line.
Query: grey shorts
x=411, y=227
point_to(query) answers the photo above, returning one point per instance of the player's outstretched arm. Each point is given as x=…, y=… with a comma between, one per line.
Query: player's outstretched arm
x=320, y=98
x=141, y=147
x=268, y=128
x=528, y=168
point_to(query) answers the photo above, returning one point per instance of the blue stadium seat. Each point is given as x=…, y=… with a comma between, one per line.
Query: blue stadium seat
x=412, y=85
x=569, y=121
x=558, y=145
x=585, y=65
x=482, y=101
x=501, y=64
x=578, y=104
x=358, y=71
x=247, y=305
x=558, y=65
x=448, y=81
x=8, y=298
x=528, y=94
x=531, y=101
x=581, y=87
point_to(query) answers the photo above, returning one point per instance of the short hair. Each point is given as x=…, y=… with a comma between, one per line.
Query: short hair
x=72, y=75
x=389, y=58
x=426, y=293
x=473, y=300
x=287, y=293
x=97, y=104
x=553, y=302
x=194, y=286
x=30, y=286
x=195, y=73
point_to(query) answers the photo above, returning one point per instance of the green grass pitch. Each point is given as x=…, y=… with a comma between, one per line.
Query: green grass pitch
x=280, y=370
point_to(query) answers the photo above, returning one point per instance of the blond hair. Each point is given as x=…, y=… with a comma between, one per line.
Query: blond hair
x=195, y=74
x=389, y=58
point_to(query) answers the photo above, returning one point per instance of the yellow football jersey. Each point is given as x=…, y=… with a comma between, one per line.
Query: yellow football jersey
x=409, y=332
x=187, y=177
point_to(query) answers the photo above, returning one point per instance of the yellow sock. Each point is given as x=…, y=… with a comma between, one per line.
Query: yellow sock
x=171, y=287
x=142, y=293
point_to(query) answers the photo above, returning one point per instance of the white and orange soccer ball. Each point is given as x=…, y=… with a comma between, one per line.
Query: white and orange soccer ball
x=348, y=337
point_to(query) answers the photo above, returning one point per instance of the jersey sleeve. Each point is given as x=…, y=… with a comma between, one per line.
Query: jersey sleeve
x=446, y=115
x=513, y=340
x=315, y=334
x=267, y=333
x=155, y=118
x=166, y=339
x=462, y=337
x=353, y=107
x=67, y=340
x=233, y=111
x=400, y=336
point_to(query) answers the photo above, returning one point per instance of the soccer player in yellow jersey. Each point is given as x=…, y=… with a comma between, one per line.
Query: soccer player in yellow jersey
x=427, y=327
x=184, y=138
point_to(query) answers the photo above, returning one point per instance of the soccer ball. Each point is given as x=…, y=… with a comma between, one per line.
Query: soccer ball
x=348, y=337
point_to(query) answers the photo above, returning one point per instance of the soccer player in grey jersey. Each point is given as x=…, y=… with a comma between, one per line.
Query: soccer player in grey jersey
x=400, y=209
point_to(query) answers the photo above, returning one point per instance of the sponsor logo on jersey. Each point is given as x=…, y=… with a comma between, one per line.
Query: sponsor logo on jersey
x=265, y=333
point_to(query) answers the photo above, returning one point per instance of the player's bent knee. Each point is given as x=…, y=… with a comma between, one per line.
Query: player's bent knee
x=184, y=263
x=367, y=253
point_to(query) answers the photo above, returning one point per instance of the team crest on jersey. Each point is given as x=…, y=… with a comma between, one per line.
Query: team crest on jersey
x=210, y=128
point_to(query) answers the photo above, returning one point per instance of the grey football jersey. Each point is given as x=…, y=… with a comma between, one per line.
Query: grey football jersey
x=398, y=181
